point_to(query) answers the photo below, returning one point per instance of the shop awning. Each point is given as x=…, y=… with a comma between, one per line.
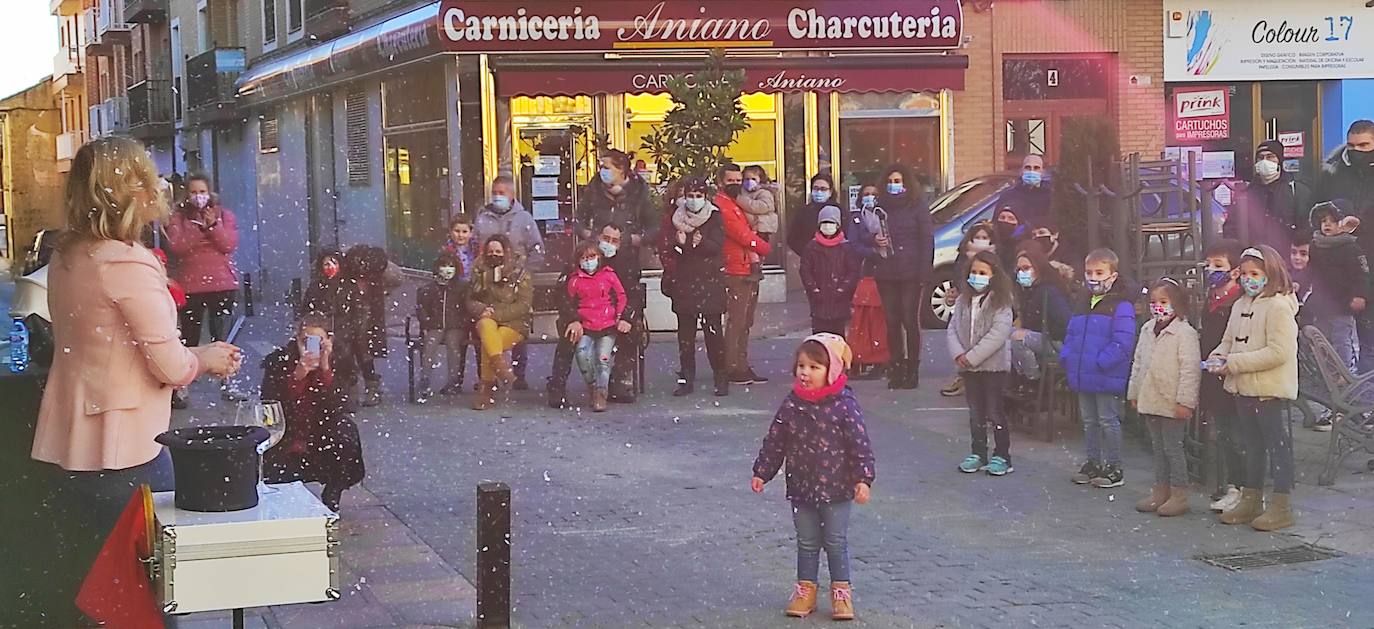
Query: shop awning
x=896, y=72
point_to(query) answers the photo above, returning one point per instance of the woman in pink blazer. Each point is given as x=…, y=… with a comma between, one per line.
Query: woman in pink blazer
x=114, y=325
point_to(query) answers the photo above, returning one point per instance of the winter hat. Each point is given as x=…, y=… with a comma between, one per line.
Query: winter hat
x=1335, y=208
x=838, y=350
x=1273, y=146
x=829, y=214
x=695, y=184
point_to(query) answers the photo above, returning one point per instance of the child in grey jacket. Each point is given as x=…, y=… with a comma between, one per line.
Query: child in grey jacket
x=1165, y=377
x=979, y=329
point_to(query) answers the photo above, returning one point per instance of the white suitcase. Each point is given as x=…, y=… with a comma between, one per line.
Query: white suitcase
x=283, y=551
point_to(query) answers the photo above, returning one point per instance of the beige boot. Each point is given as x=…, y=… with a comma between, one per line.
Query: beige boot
x=841, y=601
x=1158, y=494
x=1250, y=506
x=1279, y=515
x=486, y=396
x=803, y=600
x=598, y=400
x=1177, y=504
x=504, y=375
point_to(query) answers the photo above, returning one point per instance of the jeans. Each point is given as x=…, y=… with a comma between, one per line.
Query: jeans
x=833, y=326
x=594, y=355
x=456, y=348
x=985, y=404
x=213, y=308
x=1364, y=329
x=741, y=302
x=1166, y=438
x=1231, y=448
x=1026, y=353
x=901, y=308
x=1340, y=331
x=1101, y=422
x=824, y=525
x=1268, y=447
x=687, y=323
x=495, y=339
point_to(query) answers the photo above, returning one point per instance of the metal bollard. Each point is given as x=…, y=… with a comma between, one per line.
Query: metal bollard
x=248, y=294
x=493, y=555
x=410, y=362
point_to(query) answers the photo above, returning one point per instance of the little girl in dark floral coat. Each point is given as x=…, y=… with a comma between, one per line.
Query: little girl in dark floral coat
x=819, y=433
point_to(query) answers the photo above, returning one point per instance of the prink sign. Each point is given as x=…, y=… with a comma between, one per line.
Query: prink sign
x=501, y=26
x=1201, y=115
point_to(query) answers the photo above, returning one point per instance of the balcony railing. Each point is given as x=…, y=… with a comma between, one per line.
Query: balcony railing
x=67, y=143
x=67, y=61
x=210, y=78
x=326, y=18
x=109, y=117
x=145, y=11
x=110, y=27
x=150, y=108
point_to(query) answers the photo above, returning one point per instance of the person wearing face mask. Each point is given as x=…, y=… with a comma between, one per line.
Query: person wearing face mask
x=1273, y=206
x=1349, y=174
x=202, y=237
x=1217, y=407
x=501, y=298
x=440, y=308
x=758, y=199
x=742, y=275
x=830, y=272
x=801, y=225
x=595, y=294
x=900, y=274
x=693, y=278
x=1011, y=232
x=868, y=327
x=504, y=215
x=1043, y=306
x=1063, y=256
x=1030, y=199
x=617, y=195
x=979, y=238
x=1339, y=280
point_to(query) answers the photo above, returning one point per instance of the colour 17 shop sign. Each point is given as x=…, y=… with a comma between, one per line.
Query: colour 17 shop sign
x=501, y=26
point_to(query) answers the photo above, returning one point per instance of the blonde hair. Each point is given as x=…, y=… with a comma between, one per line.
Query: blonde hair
x=113, y=191
x=1103, y=256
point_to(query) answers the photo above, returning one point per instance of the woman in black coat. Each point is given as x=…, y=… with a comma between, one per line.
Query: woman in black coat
x=902, y=273
x=694, y=280
x=801, y=226
x=1043, y=303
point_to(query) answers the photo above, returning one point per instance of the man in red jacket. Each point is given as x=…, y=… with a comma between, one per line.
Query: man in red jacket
x=742, y=275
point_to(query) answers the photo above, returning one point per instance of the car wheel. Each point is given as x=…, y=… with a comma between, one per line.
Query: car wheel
x=937, y=312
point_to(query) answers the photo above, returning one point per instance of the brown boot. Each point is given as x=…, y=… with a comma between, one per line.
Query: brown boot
x=504, y=375
x=1250, y=506
x=598, y=400
x=1177, y=504
x=486, y=396
x=1158, y=494
x=803, y=600
x=841, y=601
x=1279, y=515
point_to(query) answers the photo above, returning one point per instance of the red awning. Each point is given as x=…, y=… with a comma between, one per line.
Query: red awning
x=889, y=73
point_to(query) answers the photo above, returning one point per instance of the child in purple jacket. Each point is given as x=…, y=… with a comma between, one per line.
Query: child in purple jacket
x=819, y=432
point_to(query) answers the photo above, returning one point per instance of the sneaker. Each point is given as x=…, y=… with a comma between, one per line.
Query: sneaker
x=1323, y=423
x=424, y=396
x=1086, y=473
x=741, y=378
x=955, y=388
x=972, y=463
x=753, y=375
x=999, y=466
x=452, y=389
x=1109, y=476
x=683, y=388
x=1228, y=500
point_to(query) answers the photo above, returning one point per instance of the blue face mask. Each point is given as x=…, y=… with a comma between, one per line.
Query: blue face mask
x=869, y=201
x=607, y=176
x=979, y=282
x=1218, y=278
x=1025, y=278
x=1031, y=177
x=1253, y=286
x=608, y=249
x=820, y=196
x=590, y=266
x=895, y=188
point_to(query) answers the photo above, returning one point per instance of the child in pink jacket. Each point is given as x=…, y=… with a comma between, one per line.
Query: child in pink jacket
x=596, y=293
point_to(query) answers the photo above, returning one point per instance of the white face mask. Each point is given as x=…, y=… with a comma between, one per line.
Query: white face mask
x=447, y=272
x=829, y=229
x=1266, y=169
x=980, y=244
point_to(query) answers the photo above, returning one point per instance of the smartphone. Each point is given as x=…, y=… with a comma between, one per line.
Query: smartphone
x=313, y=345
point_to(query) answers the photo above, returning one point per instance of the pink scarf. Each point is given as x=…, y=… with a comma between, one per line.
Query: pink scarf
x=816, y=395
x=830, y=241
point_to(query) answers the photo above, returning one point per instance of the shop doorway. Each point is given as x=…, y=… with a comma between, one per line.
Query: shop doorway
x=1289, y=111
x=1043, y=96
x=417, y=191
x=878, y=130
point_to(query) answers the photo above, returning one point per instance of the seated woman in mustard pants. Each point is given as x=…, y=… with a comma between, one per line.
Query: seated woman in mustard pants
x=500, y=298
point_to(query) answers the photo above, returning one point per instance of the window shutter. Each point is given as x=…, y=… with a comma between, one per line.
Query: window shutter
x=359, y=157
x=267, y=133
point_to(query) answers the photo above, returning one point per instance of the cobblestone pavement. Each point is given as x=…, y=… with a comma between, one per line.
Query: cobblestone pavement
x=642, y=516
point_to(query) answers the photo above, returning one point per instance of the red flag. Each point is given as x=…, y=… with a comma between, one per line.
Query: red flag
x=116, y=591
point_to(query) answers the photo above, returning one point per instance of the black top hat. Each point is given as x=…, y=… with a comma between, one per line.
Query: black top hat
x=216, y=467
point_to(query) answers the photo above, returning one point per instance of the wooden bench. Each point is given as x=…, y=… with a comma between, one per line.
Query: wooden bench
x=1325, y=380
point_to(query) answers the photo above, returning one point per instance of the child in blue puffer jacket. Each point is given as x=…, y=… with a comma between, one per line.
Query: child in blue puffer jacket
x=1096, y=357
x=819, y=433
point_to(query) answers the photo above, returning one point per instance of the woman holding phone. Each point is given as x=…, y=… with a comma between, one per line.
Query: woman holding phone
x=321, y=443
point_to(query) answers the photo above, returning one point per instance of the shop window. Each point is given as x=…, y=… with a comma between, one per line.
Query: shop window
x=268, y=141
x=1054, y=79
x=414, y=98
x=269, y=24
x=878, y=130
x=295, y=19
x=1026, y=137
x=358, y=156
x=757, y=145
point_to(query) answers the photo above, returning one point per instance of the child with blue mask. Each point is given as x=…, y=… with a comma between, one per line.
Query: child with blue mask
x=979, y=329
x=1044, y=317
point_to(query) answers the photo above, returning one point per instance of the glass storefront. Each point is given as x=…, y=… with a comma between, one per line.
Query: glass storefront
x=416, y=168
x=881, y=129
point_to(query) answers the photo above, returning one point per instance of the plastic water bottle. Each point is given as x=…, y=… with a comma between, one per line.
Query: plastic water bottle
x=19, y=346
